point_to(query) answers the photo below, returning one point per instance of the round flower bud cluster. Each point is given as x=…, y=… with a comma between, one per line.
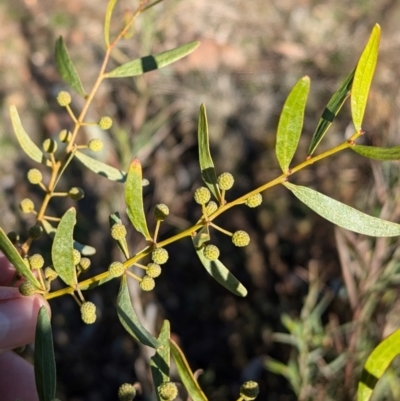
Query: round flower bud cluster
x=26, y=205
x=202, y=195
x=65, y=136
x=211, y=252
x=116, y=269
x=50, y=274
x=168, y=391
x=254, y=200
x=76, y=193
x=161, y=212
x=95, y=145
x=211, y=208
x=88, y=312
x=153, y=270
x=159, y=256
x=27, y=289
x=225, y=181
x=77, y=257
x=147, y=283
x=240, y=238
x=84, y=264
x=126, y=392
x=36, y=261
x=49, y=145
x=63, y=98
x=105, y=122
x=249, y=390
x=118, y=231
x=34, y=176
x=35, y=232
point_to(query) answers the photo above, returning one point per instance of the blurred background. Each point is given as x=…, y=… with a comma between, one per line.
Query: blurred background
x=336, y=291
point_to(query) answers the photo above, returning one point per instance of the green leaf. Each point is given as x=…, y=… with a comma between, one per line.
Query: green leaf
x=343, y=215
x=219, y=272
x=16, y=259
x=110, y=8
x=66, y=68
x=134, y=199
x=376, y=365
x=201, y=237
x=129, y=319
x=26, y=143
x=363, y=77
x=63, y=248
x=122, y=244
x=45, y=366
x=97, y=283
x=331, y=111
x=291, y=123
x=377, y=153
x=186, y=375
x=160, y=362
x=206, y=163
x=150, y=63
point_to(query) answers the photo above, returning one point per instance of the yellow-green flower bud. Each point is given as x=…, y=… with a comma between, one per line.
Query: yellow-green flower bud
x=153, y=270
x=88, y=312
x=211, y=252
x=225, y=181
x=254, y=200
x=76, y=193
x=249, y=390
x=105, y=122
x=168, y=391
x=34, y=176
x=159, y=256
x=202, y=195
x=116, y=269
x=35, y=232
x=95, y=145
x=147, y=283
x=50, y=274
x=27, y=289
x=49, y=145
x=13, y=237
x=118, y=231
x=65, y=136
x=63, y=98
x=26, y=205
x=126, y=392
x=84, y=264
x=161, y=212
x=36, y=261
x=240, y=238
x=77, y=257
x=211, y=208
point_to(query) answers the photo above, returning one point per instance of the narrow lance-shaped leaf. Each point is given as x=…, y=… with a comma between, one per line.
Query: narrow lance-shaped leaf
x=219, y=272
x=44, y=362
x=16, y=260
x=134, y=199
x=150, y=63
x=363, y=77
x=376, y=365
x=206, y=162
x=129, y=319
x=377, y=153
x=26, y=143
x=331, y=111
x=160, y=362
x=185, y=373
x=66, y=68
x=62, y=251
x=291, y=123
x=109, y=12
x=343, y=215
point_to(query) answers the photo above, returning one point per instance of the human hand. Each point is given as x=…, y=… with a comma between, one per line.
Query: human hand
x=18, y=315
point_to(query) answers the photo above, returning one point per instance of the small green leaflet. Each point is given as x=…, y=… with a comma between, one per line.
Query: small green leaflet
x=26, y=143
x=44, y=362
x=129, y=319
x=16, y=259
x=376, y=365
x=63, y=248
x=134, y=199
x=331, y=111
x=377, y=153
x=291, y=123
x=150, y=63
x=206, y=162
x=185, y=373
x=363, y=77
x=66, y=68
x=343, y=215
x=110, y=8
